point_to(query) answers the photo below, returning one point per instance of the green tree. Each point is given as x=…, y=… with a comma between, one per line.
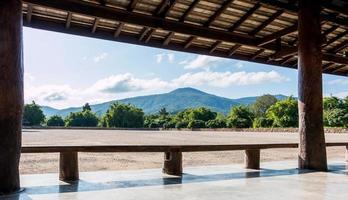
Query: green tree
x=284, y=113
x=333, y=103
x=86, y=107
x=336, y=117
x=262, y=104
x=33, y=115
x=196, y=124
x=163, y=113
x=216, y=123
x=123, y=115
x=81, y=119
x=240, y=117
x=55, y=120
x=262, y=122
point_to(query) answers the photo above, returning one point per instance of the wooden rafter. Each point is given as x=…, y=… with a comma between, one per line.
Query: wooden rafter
x=118, y=29
x=132, y=5
x=215, y=46
x=339, y=47
x=274, y=36
x=164, y=8
x=294, y=8
x=29, y=12
x=234, y=49
x=68, y=20
x=168, y=38
x=103, y=2
x=267, y=22
x=334, y=39
x=187, y=12
x=217, y=13
x=287, y=59
x=289, y=51
x=95, y=25
x=149, y=35
x=257, y=54
x=144, y=32
x=244, y=17
x=189, y=42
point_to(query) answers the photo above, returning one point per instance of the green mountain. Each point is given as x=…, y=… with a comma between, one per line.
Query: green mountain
x=174, y=101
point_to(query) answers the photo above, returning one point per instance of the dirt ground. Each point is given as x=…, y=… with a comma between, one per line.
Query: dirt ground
x=47, y=163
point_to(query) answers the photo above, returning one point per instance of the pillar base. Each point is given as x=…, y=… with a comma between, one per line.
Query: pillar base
x=252, y=159
x=68, y=166
x=172, y=163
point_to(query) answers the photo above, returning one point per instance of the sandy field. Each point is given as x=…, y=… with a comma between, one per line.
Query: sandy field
x=47, y=163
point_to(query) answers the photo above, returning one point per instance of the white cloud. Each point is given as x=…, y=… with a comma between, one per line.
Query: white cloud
x=341, y=94
x=159, y=58
x=127, y=83
x=162, y=56
x=225, y=79
x=170, y=57
x=100, y=57
x=239, y=64
x=203, y=61
x=338, y=82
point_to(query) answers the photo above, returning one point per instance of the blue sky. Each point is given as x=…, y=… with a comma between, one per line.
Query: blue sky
x=65, y=70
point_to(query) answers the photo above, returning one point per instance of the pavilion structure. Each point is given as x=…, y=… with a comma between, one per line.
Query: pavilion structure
x=308, y=35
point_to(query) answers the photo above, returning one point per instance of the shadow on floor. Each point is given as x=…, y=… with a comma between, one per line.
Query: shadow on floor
x=84, y=186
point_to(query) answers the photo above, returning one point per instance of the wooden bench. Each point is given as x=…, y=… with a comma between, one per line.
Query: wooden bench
x=68, y=161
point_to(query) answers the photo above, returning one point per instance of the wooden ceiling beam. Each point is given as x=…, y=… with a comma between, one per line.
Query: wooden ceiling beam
x=339, y=47
x=244, y=17
x=287, y=59
x=294, y=8
x=68, y=20
x=215, y=46
x=334, y=39
x=257, y=54
x=288, y=51
x=234, y=49
x=269, y=38
x=118, y=29
x=102, y=2
x=148, y=37
x=168, y=38
x=267, y=22
x=164, y=8
x=217, y=13
x=95, y=25
x=144, y=32
x=189, y=42
x=29, y=12
x=189, y=9
x=131, y=5
x=90, y=9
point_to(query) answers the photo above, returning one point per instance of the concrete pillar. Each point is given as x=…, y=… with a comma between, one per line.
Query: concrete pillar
x=252, y=159
x=11, y=93
x=312, y=150
x=68, y=166
x=173, y=163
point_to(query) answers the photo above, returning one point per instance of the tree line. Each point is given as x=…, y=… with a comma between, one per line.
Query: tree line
x=267, y=111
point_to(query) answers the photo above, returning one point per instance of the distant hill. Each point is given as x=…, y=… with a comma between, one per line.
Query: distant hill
x=174, y=101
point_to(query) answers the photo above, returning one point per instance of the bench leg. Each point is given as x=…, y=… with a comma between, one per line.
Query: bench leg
x=68, y=166
x=346, y=153
x=252, y=159
x=172, y=163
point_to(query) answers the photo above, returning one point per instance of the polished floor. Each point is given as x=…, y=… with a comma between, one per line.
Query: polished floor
x=276, y=180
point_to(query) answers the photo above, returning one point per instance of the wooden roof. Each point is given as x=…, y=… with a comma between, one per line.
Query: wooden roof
x=262, y=31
